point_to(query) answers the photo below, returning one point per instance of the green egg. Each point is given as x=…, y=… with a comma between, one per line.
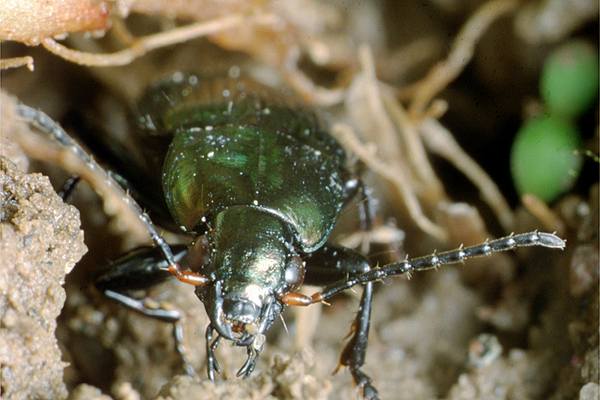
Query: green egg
x=569, y=81
x=545, y=160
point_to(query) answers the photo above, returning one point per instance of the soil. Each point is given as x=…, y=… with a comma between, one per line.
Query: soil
x=520, y=325
x=428, y=336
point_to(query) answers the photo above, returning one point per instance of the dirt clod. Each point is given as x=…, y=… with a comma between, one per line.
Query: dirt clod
x=40, y=242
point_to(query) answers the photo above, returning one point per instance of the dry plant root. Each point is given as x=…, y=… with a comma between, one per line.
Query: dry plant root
x=17, y=62
x=416, y=153
x=32, y=21
x=310, y=92
x=419, y=127
x=440, y=141
x=548, y=218
x=460, y=55
x=148, y=43
x=347, y=137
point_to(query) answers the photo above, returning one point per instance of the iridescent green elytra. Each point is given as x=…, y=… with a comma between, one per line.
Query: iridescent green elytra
x=236, y=144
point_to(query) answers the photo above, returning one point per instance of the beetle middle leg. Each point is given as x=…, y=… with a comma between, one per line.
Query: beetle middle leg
x=138, y=270
x=333, y=263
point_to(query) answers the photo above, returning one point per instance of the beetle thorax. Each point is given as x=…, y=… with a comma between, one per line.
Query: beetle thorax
x=250, y=252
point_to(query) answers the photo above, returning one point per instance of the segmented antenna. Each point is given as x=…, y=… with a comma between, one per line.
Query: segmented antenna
x=48, y=126
x=435, y=260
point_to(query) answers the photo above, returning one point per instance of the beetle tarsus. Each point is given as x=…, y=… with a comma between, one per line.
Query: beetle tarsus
x=178, y=337
x=160, y=313
x=246, y=370
x=364, y=382
x=212, y=365
x=68, y=187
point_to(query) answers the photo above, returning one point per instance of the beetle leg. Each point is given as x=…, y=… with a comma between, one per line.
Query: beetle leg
x=353, y=187
x=178, y=337
x=246, y=370
x=355, y=350
x=160, y=313
x=140, y=306
x=141, y=269
x=68, y=187
x=365, y=208
x=212, y=365
x=333, y=263
x=353, y=355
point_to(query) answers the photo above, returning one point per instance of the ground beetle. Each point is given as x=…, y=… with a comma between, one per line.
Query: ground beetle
x=258, y=184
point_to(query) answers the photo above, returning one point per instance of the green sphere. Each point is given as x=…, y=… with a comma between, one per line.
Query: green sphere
x=544, y=157
x=569, y=81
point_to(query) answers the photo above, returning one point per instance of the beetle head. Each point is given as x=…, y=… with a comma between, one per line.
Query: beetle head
x=240, y=315
x=251, y=263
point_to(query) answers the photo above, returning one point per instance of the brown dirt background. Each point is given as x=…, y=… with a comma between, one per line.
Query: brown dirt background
x=534, y=312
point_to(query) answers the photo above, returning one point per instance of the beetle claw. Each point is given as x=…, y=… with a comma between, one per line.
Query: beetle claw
x=212, y=368
x=246, y=370
x=189, y=369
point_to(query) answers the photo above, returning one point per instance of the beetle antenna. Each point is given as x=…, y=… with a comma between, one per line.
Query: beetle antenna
x=437, y=259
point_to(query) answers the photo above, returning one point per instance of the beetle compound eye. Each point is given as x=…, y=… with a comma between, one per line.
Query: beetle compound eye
x=294, y=271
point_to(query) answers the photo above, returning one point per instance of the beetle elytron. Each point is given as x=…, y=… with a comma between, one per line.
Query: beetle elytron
x=258, y=185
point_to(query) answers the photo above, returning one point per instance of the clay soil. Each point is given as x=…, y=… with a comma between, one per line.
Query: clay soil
x=521, y=325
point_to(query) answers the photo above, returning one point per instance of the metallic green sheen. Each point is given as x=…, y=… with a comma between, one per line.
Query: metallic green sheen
x=246, y=150
x=249, y=246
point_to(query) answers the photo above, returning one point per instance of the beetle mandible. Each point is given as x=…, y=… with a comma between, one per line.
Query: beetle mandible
x=259, y=185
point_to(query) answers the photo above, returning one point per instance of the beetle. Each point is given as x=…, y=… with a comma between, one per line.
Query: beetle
x=258, y=184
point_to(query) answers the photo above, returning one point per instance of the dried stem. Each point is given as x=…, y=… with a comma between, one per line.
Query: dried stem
x=310, y=92
x=17, y=62
x=543, y=213
x=151, y=42
x=347, y=137
x=386, y=132
x=399, y=62
x=460, y=55
x=439, y=140
x=415, y=150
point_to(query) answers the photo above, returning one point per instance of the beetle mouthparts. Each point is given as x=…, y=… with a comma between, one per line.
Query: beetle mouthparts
x=240, y=311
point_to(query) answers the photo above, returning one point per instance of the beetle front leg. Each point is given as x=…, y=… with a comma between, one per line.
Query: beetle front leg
x=212, y=365
x=141, y=269
x=246, y=370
